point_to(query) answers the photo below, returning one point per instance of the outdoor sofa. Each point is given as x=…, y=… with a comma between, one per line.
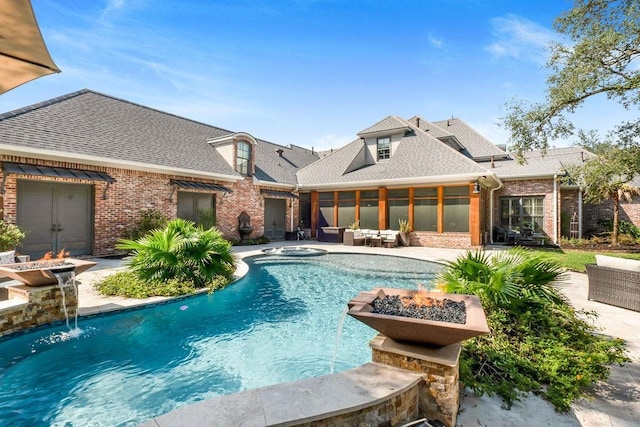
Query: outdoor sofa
x=386, y=238
x=615, y=281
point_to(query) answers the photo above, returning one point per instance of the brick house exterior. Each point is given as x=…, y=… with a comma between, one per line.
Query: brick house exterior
x=452, y=185
x=137, y=182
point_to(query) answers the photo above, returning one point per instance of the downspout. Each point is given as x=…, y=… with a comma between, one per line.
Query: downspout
x=555, y=209
x=291, y=214
x=491, y=210
x=580, y=213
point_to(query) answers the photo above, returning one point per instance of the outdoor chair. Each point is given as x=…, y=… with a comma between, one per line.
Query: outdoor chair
x=504, y=235
x=615, y=281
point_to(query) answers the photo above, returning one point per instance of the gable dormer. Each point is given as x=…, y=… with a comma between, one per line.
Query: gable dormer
x=382, y=138
x=237, y=149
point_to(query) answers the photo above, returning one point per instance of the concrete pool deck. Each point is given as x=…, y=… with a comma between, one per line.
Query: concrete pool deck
x=615, y=403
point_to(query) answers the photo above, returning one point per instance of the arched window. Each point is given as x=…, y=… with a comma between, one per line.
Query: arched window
x=243, y=157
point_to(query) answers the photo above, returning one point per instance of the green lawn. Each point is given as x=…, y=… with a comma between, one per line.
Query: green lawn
x=575, y=260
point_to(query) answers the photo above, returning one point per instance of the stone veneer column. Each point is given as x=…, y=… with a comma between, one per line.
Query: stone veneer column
x=440, y=396
x=42, y=305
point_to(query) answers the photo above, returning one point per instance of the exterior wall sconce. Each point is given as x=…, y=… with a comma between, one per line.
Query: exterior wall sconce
x=476, y=187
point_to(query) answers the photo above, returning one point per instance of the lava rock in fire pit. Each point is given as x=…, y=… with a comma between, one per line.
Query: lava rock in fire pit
x=441, y=310
x=42, y=265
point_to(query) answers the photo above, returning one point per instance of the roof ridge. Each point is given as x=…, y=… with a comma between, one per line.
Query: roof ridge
x=424, y=134
x=158, y=110
x=85, y=91
x=42, y=104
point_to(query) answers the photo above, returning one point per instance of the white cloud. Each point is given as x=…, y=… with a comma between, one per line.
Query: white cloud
x=520, y=38
x=434, y=41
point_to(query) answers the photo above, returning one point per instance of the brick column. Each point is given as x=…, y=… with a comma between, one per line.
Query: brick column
x=440, y=396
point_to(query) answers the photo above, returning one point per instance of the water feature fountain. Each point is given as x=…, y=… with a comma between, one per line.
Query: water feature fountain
x=42, y=272
x=42, y=296
x=67, y=279
x=294, y=251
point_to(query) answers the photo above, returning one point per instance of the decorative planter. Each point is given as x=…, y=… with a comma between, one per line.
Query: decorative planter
x=405, y=238
x=41, y=273
x=419, y=331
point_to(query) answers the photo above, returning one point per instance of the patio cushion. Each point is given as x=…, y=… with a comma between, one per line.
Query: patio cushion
x=619, y=263
x=8, y=257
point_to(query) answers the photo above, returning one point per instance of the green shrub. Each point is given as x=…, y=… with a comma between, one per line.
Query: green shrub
x=538, y=342
x=129, y=285
x=627, y=240
x=10, y=236
x=150, y=219
x=207, y=218
x=181, y=251
x=624, y=227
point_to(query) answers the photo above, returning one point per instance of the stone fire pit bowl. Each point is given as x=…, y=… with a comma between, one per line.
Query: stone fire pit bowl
x=41, y=273
x=419, y=331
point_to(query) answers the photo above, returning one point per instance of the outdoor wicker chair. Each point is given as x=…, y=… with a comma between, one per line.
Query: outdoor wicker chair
x=614, y=286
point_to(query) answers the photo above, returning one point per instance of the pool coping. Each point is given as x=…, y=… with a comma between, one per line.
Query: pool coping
x=298, y=402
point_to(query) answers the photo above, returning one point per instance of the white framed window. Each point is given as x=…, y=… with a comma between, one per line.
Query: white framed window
x=243, y=158
x=384, y=148
x=522, y=213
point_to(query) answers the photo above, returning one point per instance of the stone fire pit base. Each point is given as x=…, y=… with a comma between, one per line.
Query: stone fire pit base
x=439, y=397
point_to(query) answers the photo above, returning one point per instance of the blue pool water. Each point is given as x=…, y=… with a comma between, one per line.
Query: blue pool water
x=275, y=325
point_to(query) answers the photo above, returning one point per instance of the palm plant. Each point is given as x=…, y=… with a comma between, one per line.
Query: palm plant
x=506, y=279
x=181, y=251
x=538, y=341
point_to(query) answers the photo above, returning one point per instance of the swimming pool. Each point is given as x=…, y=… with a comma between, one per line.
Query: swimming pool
x=275, y=325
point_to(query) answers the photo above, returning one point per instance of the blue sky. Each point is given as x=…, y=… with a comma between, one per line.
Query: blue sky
x=307, y=72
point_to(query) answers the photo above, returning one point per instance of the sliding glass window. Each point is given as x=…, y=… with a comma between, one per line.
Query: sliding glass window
x=425, y=209
x=398, y=207
x=325, y=217
x=369, y=209
x=346, y=208
x=456, y=209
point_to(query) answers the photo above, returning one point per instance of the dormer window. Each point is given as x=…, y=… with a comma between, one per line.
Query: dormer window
x=243, y=157
x=384, y=148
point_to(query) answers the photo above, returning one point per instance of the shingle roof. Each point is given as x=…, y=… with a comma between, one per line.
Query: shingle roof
x=430, y=128
x=97, y=125
x=387, y=124
x=476, y=145
x=417, y=155
x=538, y=164
x=272, y=167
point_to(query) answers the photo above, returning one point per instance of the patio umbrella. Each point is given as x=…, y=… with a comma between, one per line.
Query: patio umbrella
x=23, y=54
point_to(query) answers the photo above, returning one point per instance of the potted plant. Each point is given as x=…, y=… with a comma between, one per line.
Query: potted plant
x=405, y=232
x=10, y=237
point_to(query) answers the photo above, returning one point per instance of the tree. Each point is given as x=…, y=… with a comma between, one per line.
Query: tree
x=607, y=175
x=599, y=57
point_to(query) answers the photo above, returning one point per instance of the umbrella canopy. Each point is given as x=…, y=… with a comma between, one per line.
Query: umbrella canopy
x=23, y=54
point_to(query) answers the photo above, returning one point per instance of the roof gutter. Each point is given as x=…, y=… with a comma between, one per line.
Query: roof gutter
x=119, y=164
x=442, y=179
x=527, y=176
x=256, y=181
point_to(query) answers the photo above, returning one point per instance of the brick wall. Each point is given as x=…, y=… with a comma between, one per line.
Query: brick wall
x=441, y=240
x=529, y=187
x=135, y=191
x=593, y=214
